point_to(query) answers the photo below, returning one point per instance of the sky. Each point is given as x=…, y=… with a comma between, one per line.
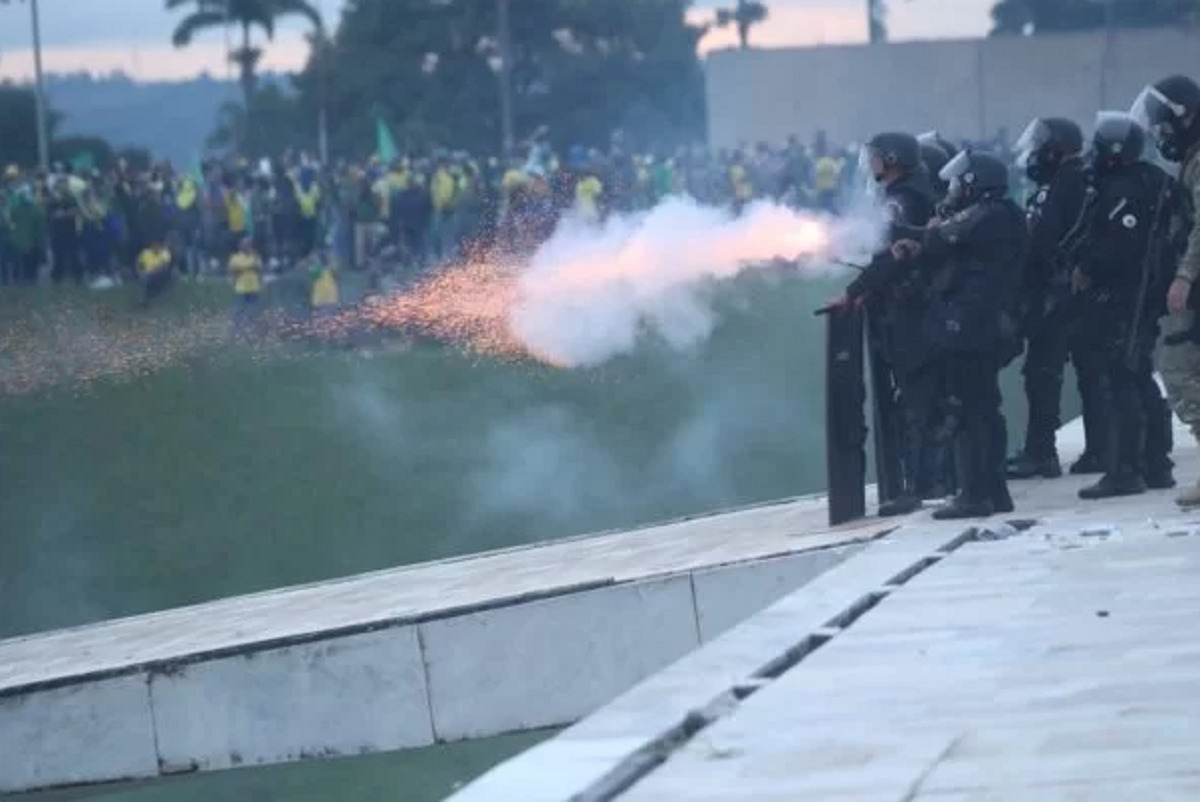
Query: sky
x=133, y=36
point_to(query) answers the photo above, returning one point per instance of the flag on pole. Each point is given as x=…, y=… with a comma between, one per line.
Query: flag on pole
x=385, y=143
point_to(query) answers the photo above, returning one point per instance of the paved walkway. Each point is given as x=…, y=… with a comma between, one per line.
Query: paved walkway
x=1057, y=663
x=1047, y=666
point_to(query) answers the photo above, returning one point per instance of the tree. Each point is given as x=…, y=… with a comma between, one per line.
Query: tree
x=745, y=15
x=84, y=152
x=273, y=124
x=429, y=69
x=1048, y=16
x=18, y=125
x=877, y=21
x=247, y=14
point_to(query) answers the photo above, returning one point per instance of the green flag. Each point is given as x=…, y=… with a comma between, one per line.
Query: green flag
x=83, y=162
x=196, y=171
x=385, y=143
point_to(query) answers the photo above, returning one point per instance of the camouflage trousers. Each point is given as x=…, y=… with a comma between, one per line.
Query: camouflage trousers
x=1179, y=366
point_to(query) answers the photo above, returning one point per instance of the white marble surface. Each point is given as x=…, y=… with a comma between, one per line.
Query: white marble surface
x=510, y=662
x=585, y=753
x=361, y=693
x=74, y=734
x=1026, y=665
x=425, y=591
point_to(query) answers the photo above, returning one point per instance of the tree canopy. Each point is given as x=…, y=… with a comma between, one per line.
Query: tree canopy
x=18, y=125
x=18, y=135
x=429, y=68
x=745, y=15
x=1049, y=16
x=246, y=14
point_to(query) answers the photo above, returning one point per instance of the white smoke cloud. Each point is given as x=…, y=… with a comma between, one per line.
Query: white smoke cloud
x=590, y=292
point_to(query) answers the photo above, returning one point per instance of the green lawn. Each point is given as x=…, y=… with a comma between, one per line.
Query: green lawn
x=221, y=474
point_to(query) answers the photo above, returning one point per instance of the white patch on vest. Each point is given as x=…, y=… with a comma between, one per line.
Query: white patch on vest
x=1117, y=209
x=1129, y=221
x=1041, y=196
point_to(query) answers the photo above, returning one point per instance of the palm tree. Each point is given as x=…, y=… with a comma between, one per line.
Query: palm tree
x=877, y=21
x=207, y=14
x=746, y=14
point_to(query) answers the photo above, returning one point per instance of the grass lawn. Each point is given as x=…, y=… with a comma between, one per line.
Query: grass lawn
x=215, y=471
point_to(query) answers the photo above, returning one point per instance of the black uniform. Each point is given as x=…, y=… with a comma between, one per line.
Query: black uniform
x=1054, y=214
x=969, y=325
x=1127, y=266
x=972, y=260
x=903, y=379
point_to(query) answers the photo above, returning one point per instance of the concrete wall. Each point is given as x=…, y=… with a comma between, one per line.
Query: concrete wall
x=523, y=666
x=966, y=89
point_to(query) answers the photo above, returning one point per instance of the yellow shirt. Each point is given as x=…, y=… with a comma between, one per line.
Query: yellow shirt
x=398, y=180
x=152, y=261
x=185, y=198
x=740, y=179
x=237, y=213
x=587, y=194
x=828, y=172
x=247, y=273
x=443, y=190
x=514, y=179
x=325, y=289
x=308, y=200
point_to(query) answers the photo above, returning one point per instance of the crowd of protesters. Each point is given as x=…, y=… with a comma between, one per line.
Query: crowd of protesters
x=247, y=221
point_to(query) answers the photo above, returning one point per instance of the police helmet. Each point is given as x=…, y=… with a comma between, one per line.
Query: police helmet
x=1047, y=141
x=893, y=149
x=973, y=176
x=1118, y=141
x=935, y=159
x=936, y=140
x=1170, y=111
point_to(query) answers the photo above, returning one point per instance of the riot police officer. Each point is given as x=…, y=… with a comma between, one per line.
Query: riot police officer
x=1171, y=111
x=936, y=153
x=973, y=257
x=905, y=387
x=1123, y=272
x=1050, y=152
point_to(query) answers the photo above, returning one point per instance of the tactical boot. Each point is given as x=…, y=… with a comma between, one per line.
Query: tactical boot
x=1088, y=463
x=1114, y=485
x=899, y=506
x=961, y=507
x=1189, y=498
x=1002, y=501
x=1160, y=477
x=1024, y=466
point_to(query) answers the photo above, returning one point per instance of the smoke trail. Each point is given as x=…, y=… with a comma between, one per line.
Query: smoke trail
x=590, y=292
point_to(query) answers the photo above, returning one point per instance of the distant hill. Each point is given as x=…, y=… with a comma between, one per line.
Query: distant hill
x=172, y=119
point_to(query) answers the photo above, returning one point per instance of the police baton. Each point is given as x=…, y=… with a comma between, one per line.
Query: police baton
x=852, y=265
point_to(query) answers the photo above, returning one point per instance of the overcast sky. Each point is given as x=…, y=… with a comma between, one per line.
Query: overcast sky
x=134, y=35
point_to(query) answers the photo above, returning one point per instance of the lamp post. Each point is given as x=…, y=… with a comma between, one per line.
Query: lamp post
x=876, y=24
x=39, y=91
x=504, y=34
x=1110, y=41
x=321, y=56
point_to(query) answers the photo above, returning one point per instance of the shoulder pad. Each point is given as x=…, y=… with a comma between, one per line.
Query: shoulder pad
x=895, y=210
x=959, y=226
